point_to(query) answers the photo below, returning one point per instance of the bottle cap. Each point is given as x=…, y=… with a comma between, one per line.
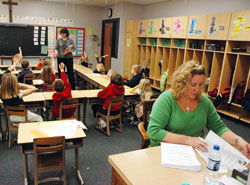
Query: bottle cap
x=216, y=147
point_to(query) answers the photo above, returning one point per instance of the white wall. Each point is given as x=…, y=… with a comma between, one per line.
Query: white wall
x=124, y=11
x=82, y=16
x=175, y=8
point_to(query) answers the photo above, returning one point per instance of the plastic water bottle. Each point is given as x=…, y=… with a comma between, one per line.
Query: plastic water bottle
x=213, y=165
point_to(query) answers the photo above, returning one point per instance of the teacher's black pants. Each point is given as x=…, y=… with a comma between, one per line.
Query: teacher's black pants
x=68, y=62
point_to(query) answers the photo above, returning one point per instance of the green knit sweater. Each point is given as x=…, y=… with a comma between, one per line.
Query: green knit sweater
x=167, y=116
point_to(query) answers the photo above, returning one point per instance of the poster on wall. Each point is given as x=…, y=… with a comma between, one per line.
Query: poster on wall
x=78, y=36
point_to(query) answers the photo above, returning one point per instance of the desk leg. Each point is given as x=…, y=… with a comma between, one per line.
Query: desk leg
x=84, y=111
x=25, y=169
x=76, y=167
x=116, y=179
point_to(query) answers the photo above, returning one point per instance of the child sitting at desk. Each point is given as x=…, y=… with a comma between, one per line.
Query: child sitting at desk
x=63, y=91
x=137, y=76
x=26, y=70
x=12, y=93
x=48, y=74
x=99, y=68
x=115, y=88
x=83, y=60
x=40, y=64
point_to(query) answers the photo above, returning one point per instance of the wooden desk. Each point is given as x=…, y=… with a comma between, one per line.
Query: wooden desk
x=28, y=131
x=144, y=167
x=6, y=66
x=36, y=72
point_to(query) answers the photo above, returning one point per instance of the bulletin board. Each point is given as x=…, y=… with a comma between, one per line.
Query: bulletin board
x=78, y=36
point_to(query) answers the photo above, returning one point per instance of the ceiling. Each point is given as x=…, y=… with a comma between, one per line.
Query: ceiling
x=103, y=3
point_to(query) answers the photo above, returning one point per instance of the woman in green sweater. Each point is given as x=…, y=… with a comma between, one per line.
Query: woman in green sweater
x=180, y=115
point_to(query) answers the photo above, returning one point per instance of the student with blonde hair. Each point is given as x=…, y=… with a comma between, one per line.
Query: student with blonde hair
x=181, y=114
x=17, y=57
x=137, y=76
x=48, y=73
x=83, y=60
x=144, y=89
x=99, y=68
x=12, y=93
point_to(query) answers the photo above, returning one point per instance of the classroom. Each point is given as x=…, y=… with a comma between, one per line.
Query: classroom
x=120, y=91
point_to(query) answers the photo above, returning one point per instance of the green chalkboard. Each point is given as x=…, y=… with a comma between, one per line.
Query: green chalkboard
x=13, y=36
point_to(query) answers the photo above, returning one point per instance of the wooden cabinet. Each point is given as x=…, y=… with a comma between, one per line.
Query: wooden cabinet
x=197, y=27
x=165, y=27
x=240, y=26
x=179, y=27
x=166, y=43
x=152, y=28
x=218, y=26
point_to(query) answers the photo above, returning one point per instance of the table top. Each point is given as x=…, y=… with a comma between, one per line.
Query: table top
x=28, y=131
x=8, y=65
x=16, y=72
x=93, y=93
x=75, y=94
x=144, y=167
x=82, y=69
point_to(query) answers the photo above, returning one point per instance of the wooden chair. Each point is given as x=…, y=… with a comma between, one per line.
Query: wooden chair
x=13, y=126
x=114, y=101
x=49, y=156
x=28, y=78
x=68, y=104
x=142, y=126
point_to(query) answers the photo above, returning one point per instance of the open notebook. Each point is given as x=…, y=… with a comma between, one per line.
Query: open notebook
x=179, y=156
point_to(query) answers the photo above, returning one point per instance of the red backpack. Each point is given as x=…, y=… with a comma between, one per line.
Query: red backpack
x=239, y=92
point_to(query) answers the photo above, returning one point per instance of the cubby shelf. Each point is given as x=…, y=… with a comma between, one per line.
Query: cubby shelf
x=216, y=49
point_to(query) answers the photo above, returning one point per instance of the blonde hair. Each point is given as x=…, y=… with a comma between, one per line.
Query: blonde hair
x=47, y=75
x=136, y=68
x=17, y=58
x=145, y=88
x=101, y=67
x=9, y=86
x=182, y=77
x=46, y=63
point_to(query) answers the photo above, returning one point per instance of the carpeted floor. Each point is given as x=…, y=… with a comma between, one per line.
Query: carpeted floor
x=94, y=165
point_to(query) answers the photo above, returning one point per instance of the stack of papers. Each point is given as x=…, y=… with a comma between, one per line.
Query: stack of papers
x=179, y=156
x=230, y=156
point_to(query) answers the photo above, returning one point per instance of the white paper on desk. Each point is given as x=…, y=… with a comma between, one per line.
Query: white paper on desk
x=230, y=156
x=39, y=81
x=94, y=74
x=179, y=156
x=229, y=181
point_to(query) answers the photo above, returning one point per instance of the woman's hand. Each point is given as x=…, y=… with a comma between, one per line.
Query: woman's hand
x=244, y=146
x=196, y=143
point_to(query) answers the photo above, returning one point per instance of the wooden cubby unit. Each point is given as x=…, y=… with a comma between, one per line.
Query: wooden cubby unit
x=228, y=71
x=215, y=71
x=189, y=55
x=152, y=62
x=207, y=39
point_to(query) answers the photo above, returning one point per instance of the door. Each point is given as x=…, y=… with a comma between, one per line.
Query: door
x=107, y=44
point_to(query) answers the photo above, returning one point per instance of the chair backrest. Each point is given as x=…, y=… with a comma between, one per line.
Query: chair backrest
x=67, y=104
x=49, y=144
x=155, y=96
x=19, y=110
x=147, y=107
x=28, y=78
x=115, y=101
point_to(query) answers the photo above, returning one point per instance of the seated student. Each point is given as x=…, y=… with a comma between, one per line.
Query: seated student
x=144, y=89
x=63, y=91
x=12, y=93
x=115, y=88
x=48, y=74
x=100, y=59
x=137, y=76
x=11, y=68
x=83, y=60
x=40, y=64
x=99, y=68
x=26, y=70
x=17, y=57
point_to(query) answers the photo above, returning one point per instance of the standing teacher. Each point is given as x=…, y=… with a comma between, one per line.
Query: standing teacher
x=63, y=51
